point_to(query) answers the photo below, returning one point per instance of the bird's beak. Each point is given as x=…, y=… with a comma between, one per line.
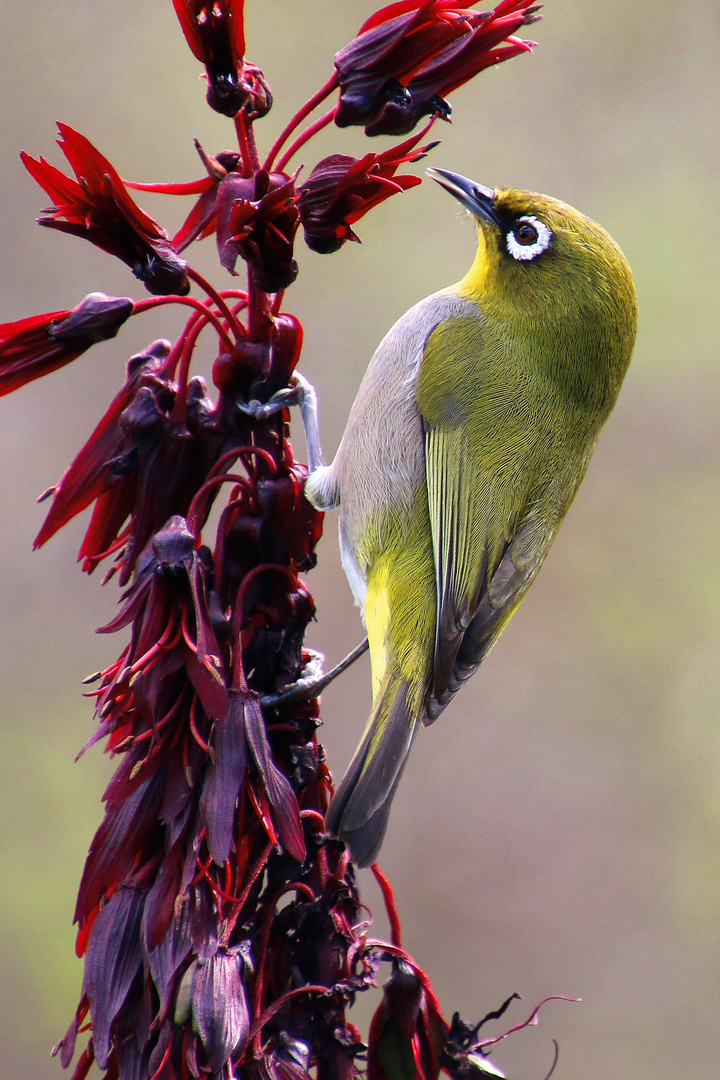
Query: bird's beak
x=476, y=198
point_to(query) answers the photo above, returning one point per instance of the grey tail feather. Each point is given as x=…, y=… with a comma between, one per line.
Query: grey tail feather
x=360, y=808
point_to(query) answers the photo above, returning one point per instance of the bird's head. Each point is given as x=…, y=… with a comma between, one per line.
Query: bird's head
x=539, y=258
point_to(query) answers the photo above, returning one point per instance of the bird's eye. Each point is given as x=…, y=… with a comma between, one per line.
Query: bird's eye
x=528, y=239
x=526, y=233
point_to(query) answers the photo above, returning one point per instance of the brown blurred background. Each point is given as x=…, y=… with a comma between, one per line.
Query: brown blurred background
x=558, y=831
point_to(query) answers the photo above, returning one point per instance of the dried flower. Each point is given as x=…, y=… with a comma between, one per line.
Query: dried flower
x=97, y=207
x=43, y=343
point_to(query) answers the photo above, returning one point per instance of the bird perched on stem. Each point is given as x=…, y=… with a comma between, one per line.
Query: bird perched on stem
x=465, y=446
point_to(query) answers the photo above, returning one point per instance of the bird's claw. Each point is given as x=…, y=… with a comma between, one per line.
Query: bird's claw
x=312, y=681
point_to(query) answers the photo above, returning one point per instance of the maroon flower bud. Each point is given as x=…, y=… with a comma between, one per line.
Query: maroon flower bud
x=341, y=189
x=257, y=219
x=97, y=207
x=219, y=1007
x=43, y=343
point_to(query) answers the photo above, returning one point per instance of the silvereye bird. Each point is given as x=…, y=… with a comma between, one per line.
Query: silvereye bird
x=467, y=441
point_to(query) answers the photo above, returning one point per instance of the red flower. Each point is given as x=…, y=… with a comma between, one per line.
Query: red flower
x=341, y=189
x=201, y=221
x=98, y=207
x=215, y=33
x=257, y=218
x=394, y=61
x=43, y=343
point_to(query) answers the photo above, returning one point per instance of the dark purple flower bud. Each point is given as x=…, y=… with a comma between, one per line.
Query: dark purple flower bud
x=97, y=207
x=113, y=959
x=36, y=346
x=219, y=1007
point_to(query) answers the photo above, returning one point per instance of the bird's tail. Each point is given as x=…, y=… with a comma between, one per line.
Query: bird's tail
x=360, y=808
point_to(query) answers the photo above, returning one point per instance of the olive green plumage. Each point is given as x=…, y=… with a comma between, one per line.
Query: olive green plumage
x=468, y=439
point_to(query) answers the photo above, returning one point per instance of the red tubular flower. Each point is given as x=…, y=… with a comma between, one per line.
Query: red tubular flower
x=43, y=343
x=341, y=189
x=460, y=62
x=97, y=207
x=215, y=33
x=391, y=61
x=257, y=218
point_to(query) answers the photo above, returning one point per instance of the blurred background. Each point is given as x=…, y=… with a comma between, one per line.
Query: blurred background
x=558, y=831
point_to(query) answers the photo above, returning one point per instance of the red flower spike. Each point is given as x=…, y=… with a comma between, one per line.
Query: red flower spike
x=341, y=189
x=215, y=33
x=386, y=66
x=97, y=207
x=43, y=343
x=221, y=924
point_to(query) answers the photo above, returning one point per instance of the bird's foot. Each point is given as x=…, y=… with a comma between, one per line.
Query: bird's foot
x=300, y=392
x=312, y=682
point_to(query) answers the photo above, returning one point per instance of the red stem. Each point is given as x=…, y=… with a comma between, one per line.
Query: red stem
x=218, y=300
x=188, y=348
x=246, y=142
x=309, y=106
x=311, y=988
x=306, y=135
x=198, y=305
x=387, y=894
x=293, y=886
x=257, y=869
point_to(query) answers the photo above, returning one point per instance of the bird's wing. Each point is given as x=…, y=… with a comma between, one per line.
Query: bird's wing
x=490, y=531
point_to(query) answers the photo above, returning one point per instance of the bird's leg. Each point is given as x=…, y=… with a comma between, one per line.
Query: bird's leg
x=299, y=392
x=312, y=682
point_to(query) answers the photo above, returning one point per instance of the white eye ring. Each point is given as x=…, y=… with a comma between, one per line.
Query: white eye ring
x=525, y=252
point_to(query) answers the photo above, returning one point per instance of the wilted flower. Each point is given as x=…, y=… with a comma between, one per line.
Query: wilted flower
x=97, y=207
x=43, y=343
x=341, y=189
x=391, y=61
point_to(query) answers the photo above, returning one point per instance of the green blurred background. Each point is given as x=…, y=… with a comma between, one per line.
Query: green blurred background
x=559, y=830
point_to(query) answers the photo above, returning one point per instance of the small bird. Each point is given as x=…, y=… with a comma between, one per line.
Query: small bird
x=465, y=446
